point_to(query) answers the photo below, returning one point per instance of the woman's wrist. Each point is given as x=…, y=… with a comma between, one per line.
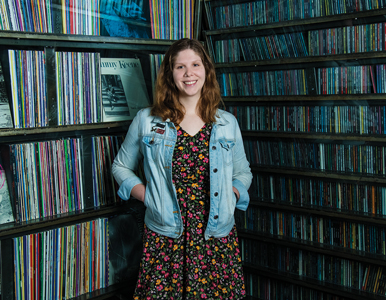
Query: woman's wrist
x=138, y=192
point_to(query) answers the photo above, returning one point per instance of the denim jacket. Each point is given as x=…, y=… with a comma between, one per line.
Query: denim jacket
x=153, y=140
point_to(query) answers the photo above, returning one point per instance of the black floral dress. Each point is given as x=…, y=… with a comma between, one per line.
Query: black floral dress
x=191, y=267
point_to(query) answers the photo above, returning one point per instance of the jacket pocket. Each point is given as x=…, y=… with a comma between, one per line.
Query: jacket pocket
x=152, y=147
x=226, y=150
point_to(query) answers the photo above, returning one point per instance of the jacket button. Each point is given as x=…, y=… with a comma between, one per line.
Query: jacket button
x=214, y=148
x=215, y=217
x=215, y=194
x=215, y=170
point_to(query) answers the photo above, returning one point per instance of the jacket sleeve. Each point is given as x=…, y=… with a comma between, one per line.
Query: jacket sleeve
x=127, y=160
x=242, y=175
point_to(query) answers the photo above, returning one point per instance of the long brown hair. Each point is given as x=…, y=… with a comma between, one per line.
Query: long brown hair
x=166, y=104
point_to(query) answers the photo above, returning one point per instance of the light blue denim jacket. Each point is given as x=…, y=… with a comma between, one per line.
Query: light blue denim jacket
x=228, y=167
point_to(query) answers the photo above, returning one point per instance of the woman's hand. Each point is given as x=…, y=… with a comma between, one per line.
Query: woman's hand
x=236, y=192
x=138, y=192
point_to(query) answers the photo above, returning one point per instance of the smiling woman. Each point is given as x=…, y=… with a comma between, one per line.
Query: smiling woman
x=196, y=175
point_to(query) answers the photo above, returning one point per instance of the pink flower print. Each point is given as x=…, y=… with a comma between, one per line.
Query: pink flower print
x=160, y=287
x=201, y=169
x=176, y=266
x=195, y=276
x=205, y=160
x=175, y=276
x=166, y=258
x=236, y=275
x=159, y=267
x=183, y=174
x=191, y=143
x=200, y=257
x=186, y=156
x=195, y=149
x=224, y=266
x=203, y=296
x=209, y=252
x=224, y=240
x=199, y=231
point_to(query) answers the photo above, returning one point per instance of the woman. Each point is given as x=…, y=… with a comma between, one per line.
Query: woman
x=196, y=174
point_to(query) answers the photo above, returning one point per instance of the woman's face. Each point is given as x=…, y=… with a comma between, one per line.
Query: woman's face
x=189, y=74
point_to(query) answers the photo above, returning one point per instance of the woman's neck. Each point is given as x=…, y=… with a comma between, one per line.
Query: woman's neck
x=189, y=104
x=191, y=122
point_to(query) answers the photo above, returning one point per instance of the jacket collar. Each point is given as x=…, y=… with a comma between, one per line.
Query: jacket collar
x=220, y=119
x=158, y=119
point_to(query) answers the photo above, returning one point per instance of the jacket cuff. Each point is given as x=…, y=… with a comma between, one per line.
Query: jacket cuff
x=126, y=187
x=243, y=201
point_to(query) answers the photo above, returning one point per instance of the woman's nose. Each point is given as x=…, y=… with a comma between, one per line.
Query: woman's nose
x=188, y=72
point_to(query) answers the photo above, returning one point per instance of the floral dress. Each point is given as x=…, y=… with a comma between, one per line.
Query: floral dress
x=190, y=267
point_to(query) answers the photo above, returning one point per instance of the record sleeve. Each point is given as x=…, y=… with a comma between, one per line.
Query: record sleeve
x=6, y=214
x=123, y=88
x=5, y=112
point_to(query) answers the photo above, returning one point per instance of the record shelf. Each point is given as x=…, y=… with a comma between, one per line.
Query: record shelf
x=113, y=47
x=305, y=80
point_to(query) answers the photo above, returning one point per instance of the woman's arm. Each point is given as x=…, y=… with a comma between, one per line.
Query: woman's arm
x=126, y=163
x=138, y=192
x=242, y=175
